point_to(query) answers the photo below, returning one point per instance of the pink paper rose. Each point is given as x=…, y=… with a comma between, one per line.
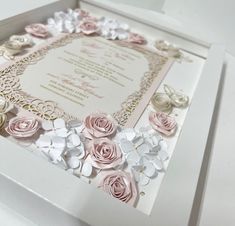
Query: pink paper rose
x=82, y=13
x=22, y=127
x=38, y=30
x=99, y=125
x=120, y=185
x=88, y=27
x=104, y=153
x=136, y=38
x=163, y=123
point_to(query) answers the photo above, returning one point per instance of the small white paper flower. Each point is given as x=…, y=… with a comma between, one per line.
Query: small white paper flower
x=64, y=22
x=145, y=152
x=53, y=147
x=113, y=29
x=63, y=144
x=55, y=128
x=143, y=171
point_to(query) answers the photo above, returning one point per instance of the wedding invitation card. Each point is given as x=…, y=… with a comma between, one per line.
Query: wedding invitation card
x=74, y=75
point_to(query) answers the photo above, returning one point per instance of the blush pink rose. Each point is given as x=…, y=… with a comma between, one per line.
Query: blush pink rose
x=82, y=13
x=163, y=123
x=22, y=127
x=136, y=38
x=38, y=30
x=104, y=153
x=120, y=185
x=88, y=27
x=99, y=125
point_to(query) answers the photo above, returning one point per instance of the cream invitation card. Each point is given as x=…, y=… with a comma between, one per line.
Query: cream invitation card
x=76, y=75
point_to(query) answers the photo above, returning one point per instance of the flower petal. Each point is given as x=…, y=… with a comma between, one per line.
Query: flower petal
x=138, y=141
x=133, y=158
x=130, y=133
x=73, y=162
x=144, y=180
x=43, y=141
x=149, y=170
x=143, y=149
x=163, y=145
x=126, y=146
x=55, y=155
x=58, y=142
x=47, y=125
x=136, y=174
x=59, y=123
x=86, y=169
x=73, y=141
x=163, y=155
x=158, y=164
x=63, y=132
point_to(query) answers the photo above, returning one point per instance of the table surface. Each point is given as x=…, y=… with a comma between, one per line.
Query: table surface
x=217, y=188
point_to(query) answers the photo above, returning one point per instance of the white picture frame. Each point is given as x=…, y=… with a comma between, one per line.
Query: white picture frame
x=42, y=184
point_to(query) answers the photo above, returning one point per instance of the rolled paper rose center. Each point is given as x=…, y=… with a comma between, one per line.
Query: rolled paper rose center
x=163, y=123
x=120, y=185
x=23, y=125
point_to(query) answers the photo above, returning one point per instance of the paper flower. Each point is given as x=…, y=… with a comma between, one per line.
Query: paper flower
x=22, y=127
x=63, y=22
x=70, y=21
x=161, y=102
x=104, y=153
x=63, y=145
x=143, y=171
x=5, y=106
x=145, y=152
x=75, y=151
x=163, y=123
x=99, y=125
x=11, y=48
x=178, y=99
x=23, y=40
x=112, y=29
x=55, y=128
x=3, y=119
x=53, y=147
x=82, y=13
x=88, y=27
x=170, y=50
x=119, y=185
x=136, y=38
x=38, y=30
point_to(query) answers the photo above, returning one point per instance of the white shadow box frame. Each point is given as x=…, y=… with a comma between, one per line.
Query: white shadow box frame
x=58, y=198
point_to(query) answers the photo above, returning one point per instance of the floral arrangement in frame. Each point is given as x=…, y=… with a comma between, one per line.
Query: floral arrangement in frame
x=67, y=142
